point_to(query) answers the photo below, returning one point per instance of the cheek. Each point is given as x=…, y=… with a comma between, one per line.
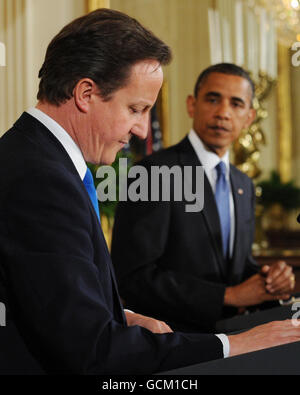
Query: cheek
x=200, y=118
x=239, y=124
x=117, y=131
x=236, y=130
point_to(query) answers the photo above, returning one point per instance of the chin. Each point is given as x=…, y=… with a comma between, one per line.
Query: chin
x=108, y=159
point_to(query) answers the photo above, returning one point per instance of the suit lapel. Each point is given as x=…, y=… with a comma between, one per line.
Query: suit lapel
x=237, y=192
x=210, y=213
x=188, y=157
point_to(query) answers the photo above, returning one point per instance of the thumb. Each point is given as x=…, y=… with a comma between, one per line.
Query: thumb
x=265, y=269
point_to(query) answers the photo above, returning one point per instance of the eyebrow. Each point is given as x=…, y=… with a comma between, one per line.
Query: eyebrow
x=217, y=94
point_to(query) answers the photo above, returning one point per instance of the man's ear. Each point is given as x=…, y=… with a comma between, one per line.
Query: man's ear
x=190, y=105
x=251, y=118
x=83, y=92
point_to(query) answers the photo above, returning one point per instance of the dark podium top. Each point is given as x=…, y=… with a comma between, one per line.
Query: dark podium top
x=15, y=358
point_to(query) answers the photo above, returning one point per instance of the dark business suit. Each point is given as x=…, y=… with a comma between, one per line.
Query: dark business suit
x=169, y=262
x=56, y=276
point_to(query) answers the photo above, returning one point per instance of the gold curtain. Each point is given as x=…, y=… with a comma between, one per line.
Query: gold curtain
x=284, y=114
x=93, y=5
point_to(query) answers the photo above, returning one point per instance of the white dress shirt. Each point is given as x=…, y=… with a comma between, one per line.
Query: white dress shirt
x=210, y=160
x=77, y=158
x=64, y=138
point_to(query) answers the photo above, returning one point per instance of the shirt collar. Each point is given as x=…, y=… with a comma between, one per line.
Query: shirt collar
x=207, y=158
x=64, y=138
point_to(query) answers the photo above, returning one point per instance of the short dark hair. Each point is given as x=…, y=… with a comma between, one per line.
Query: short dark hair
x=103, y=46
x=224, y=68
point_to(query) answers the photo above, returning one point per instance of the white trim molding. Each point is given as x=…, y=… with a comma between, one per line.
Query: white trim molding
x=2, y=54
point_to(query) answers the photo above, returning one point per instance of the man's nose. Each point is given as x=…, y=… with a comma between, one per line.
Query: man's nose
x=141, y=128
x=223, y=110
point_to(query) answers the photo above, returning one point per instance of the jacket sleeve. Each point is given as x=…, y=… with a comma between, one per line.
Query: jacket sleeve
x=58, y=295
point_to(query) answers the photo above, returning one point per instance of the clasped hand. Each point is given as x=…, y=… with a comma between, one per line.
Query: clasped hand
x=273, y=282
x=279, y=278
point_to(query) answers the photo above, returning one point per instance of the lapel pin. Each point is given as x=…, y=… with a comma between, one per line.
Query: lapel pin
x=240, y=191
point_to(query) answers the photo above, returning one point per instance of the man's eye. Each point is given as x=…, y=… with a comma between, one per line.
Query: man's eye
x=133, y=110
x=236, y=104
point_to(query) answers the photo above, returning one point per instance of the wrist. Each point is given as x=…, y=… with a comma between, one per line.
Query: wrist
x=130, y=317
x=230, y=297
x=235, y=345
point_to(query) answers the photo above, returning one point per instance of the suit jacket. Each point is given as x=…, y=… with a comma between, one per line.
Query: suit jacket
x=169, y=262
x=56, y=275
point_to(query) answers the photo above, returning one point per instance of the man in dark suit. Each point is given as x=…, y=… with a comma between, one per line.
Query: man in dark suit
x=100, y=78
x=192, y=269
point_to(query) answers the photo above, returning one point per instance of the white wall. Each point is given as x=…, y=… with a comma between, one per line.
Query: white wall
x=26, y=27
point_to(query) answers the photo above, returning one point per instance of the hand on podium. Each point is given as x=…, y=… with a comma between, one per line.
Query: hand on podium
x=264, y=336
x=153, y=325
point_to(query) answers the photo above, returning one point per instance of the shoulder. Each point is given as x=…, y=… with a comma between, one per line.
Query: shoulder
x=241, y=179
x=240, y=176
x=31, y=179
x=166, y=157
x=34, y=158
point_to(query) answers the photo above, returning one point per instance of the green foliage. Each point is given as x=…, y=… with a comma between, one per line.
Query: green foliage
x=275, y=191
x=108, y=208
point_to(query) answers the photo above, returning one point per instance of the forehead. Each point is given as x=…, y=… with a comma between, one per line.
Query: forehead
x=226, y=85
x=145, y=67
x=145, y=79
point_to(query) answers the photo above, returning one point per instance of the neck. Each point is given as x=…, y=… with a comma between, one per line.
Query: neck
x=218, y=151
x=61, y=114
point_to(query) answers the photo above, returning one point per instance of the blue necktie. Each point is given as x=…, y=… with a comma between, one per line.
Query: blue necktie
x=90, y=187
x=222, y=200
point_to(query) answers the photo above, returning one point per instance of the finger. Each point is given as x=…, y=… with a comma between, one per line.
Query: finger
x=273, y=297
x=276, y=271
x=284, y=283
x=293, y=281
x=265, y=269
x=285, y=297
x=162, y=327
x=288, y=285
x=167, y=329
x=285, y=287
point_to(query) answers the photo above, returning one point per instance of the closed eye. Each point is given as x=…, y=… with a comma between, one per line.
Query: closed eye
x=143, y=110
x=134, y=110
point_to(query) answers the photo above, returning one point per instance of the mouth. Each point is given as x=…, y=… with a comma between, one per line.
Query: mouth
x=126, y=139
x=219, y=129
